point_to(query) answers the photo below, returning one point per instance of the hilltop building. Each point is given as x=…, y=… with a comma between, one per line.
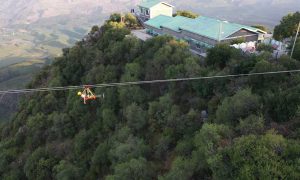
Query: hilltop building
x=153, y=8
x=201, y=33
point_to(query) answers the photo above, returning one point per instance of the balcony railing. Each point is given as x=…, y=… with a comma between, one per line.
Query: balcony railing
x=142, y=17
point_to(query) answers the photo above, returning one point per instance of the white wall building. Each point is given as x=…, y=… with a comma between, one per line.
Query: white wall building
x=152, y=8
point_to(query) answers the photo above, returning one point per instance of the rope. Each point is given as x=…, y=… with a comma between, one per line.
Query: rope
x=22, y=91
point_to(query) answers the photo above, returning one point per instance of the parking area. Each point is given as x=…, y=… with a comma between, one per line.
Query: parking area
x=141, y=34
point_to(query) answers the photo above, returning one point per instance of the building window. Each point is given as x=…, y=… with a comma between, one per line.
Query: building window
x=202, y=45
x=147, y=12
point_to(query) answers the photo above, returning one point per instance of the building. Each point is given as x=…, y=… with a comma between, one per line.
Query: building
x=203, y=32
x=152, y=8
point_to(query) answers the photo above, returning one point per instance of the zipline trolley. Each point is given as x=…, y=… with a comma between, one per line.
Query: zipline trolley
x=87, y=94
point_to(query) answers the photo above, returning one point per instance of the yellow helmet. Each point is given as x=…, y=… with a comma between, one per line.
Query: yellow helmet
x=79, y=93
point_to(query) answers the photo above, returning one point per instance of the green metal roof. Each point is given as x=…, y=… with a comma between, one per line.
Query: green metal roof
x=175, y=22
x=211, y=27
x=204, y=26
x=149, y=3
x=158, y=21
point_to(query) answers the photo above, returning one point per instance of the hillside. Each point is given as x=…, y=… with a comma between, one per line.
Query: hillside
x=187, y=130
x=34, y=31
x=16, y=76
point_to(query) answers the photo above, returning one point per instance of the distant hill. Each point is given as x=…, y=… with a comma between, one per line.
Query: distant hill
x=35, y=29
x=267, y=12
x=29, y=11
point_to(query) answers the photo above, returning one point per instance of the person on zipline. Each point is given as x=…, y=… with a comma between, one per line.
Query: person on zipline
x=86, y=94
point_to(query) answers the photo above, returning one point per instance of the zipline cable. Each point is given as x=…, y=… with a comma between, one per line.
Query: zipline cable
x=22, y=91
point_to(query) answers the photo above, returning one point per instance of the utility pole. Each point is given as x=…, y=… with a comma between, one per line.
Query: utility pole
x=295, y=41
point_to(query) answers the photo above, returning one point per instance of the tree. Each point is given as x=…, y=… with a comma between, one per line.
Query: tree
x=13, y=174
x=84, y=144
x=132, y=147
x=289, y=63
x=282, y=105
x=134, y=169
x=37, y=129
x=186, y=13
x=63, y=126
x=135, y=94
x=39, y=165
x=133, y=71
x=116, y=17
x=129, y=95
x=100, y=160
x=265, y=47
x=208, y=140
x=6, y=157
x=219, y=55
x=185, y=146
x=254, y=157
x=260, y=83
x=116, y=25
x=109, y=119
x=163, y=146
x=241, y=105
x=65, y=170
x=287, y=27
x=95, y=29
x=182, y=169
x=159, y=110
x=136, y=117
x=130, y=20
x=251, y=125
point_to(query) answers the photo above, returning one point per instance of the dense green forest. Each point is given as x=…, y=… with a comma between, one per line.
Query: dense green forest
x=230, y=128
x=287, y=27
